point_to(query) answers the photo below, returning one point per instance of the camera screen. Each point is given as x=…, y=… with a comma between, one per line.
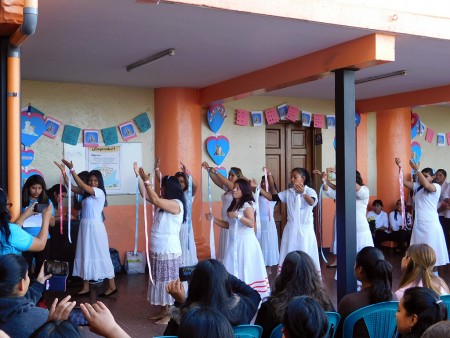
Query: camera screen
x=56, y=268
x=76, y=317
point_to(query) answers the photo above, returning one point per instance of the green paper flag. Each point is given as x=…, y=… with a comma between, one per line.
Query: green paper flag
x=142, y=122
x=70, y=135
x=110, y=136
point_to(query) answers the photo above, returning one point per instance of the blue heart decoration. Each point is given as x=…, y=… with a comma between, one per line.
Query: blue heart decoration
x=415, y=125
x=218, y=148
x=27, y=157
x=27, y=174
x=222, y=171
x=357, y=119
x=216, y=116
x=32, y=127
x=416, y=152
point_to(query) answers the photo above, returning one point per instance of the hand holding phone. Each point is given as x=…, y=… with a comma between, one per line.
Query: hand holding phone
x=56, y=268
x=40, y=207
x=77, y=318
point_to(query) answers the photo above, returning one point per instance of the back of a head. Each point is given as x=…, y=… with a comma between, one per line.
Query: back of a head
x=172, y=190
x=204, y=322
x=57, y=329
x=305, y=318
x=5, y=214
x=13, y=268
x=426, y=305
x=378, y=272
x=438, y=330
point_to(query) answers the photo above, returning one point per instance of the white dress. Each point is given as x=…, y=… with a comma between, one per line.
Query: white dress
x=299, y=232
x=227, y=198
x=243, y=257
x=165, y=254
x=427, y=228
x=331, y=193
x=269, y=234
x=363, y=235
x=187, y=240
x=92, y=258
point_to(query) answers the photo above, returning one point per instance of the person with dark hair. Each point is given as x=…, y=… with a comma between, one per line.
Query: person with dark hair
x=212, y=286
x=19, y=315
x=363, y=234
x=427, y=228
x=57, y=329
x=298, y=277
x=419, y=309
x=92, y=258
x=15, y=240
x=204, y=322
x=35, y=191
x=444, y=206
x=417, y=267
x=375, y=275
x=439, y=330
x=165, y=247
x=298, y=234
x=304, y=317
x=54, y=195
x=187, y=240
x=227, y=185
x=381, y=220
x=399, y=233
x=243, y=256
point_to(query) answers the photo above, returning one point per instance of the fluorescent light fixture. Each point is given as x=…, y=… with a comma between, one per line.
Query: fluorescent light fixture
x=382, y=76
x=152, y=58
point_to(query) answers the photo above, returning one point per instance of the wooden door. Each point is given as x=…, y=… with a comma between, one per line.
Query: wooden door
x=287, y=146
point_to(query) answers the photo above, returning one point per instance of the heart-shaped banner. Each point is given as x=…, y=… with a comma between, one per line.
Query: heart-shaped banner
x=416, y=152
x=32, y=127
x=217, y=148
x=415, y=125
x=27, y=157
x=27, y=174
x=216, y=116
x=222, y=171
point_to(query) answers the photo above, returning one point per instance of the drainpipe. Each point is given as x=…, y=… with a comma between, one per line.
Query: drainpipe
x=27, y=29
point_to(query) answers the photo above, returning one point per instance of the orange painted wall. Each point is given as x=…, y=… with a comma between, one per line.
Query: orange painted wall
x=328, y=211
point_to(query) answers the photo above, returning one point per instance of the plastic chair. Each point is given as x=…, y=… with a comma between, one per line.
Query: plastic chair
x=379, y=319
x=277, y=332
x=248, y=331
x=165, y=336
x=333, y=321
x=446, y=301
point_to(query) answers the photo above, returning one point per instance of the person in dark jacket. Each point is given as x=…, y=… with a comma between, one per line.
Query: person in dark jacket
x=214, y=287
x=19, y=315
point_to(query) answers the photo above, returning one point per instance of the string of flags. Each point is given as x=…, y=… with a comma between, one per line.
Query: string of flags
x=419, y=128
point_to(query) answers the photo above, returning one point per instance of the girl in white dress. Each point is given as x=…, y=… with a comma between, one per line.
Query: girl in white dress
x=92, y=258
x=299, y=232
x=227, y=197
x=165, y=247
x=243, y=257
x=427, y=228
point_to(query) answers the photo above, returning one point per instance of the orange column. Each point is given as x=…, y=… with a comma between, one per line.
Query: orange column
x=393, y=140
x=178, y=120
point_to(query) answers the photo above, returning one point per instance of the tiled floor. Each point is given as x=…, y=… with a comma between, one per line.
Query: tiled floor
x=131, y=309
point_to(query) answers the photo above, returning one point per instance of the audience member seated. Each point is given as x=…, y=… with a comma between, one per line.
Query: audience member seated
x=375, y=274
x=305, y=317
x=212, y=286
x=204, y=322
x=19, y=315
x=417, y=266
x=398, y=234
x=381, y=221
x=13, y=239
x=419, y=309
x=439, y=330
x=298, y=277
x=57, y=329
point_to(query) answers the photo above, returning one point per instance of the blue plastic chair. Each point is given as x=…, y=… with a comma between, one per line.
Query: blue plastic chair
x=446, y=301
x=277, y=332
x=247, y=331
x=165, y=336
x=379, y=319
x=333, y=321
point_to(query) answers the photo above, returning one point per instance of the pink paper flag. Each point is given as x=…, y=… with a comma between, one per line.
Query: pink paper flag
x=292, y=113
x=448, y=138
x=430, y=135
x=272, y=116
x=319, y=121
x=241, y=117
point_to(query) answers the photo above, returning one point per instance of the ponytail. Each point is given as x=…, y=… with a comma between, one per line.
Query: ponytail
x=13, y=268
x=381, y=282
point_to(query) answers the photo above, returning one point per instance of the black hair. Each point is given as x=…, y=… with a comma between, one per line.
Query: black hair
x=247, y=195
x=33, y=180
x=426, y=305
x=442, y=171
x=428, y=171
x=186, y=182
x=359, y=179
x=13, y=268
x=298, y=277
x=101, y=184
x=274, y=183
x=438, y=330
x=237, y=171
x=303, y=172
x=378, y=272
x=173, y=191
x=377, y=202
x=57, y=329
x=204, y=322
x=51, y=193
x=304, y=317
x=5, y=216
x=210, y=286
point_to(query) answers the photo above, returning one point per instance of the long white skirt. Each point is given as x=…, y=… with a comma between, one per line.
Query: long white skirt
x=269, y=242
x=188, y=248
x=431, y=233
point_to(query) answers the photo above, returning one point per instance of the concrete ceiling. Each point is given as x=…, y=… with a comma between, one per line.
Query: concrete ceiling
x=93, y=41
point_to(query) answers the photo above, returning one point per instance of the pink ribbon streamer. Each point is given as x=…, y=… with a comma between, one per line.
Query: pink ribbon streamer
x=402, y=196
x=60, y=204
x=266, y=182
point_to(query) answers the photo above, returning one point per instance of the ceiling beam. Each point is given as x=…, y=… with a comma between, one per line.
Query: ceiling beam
x=409, y=99
x=364, y=52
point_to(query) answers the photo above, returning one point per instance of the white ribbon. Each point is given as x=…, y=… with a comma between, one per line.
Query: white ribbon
x=258, y=210
x=212, y=245
x=189, y=210
x=146, y=234
x=69, y=212
x=320, y=223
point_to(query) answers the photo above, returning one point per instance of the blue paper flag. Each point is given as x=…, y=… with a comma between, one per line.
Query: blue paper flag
x=71, y=135
x=110, y=136
x=142, y=122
